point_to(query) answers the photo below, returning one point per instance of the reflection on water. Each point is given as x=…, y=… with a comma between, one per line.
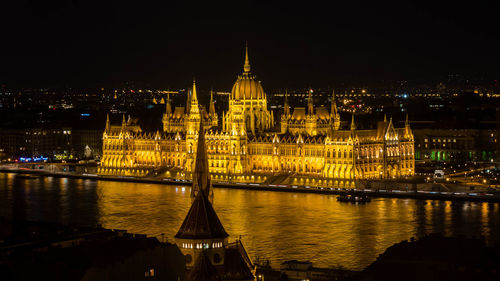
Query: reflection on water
x=275, y=225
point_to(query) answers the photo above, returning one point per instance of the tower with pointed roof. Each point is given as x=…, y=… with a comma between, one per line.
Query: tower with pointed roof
x=202, y=229
x=408, y=132
x=201, y=177
x=124, y=123
x=192, y=123
x=202, y=237
x=108, y=124
x=193, y=112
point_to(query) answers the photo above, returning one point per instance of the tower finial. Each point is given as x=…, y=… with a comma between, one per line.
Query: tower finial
x=246, y=67
x=385, y=117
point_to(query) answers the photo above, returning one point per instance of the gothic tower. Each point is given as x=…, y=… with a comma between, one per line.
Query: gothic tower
x=202, y=230
x=192, y=121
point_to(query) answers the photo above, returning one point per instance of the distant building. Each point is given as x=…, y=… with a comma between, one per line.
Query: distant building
x=459, y=145
x=36, y=142
x=54, y=142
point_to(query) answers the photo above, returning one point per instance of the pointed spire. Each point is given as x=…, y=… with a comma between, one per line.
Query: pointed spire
x=211, y=109
x=201, y=177
x=108, y=124
x=385, y=117
x=124, y=123
x=353, y=125
x=408, y=132
x=194, y=98
x=246, y=66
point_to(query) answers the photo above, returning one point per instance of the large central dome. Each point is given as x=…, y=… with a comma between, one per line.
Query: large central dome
x=246, y=87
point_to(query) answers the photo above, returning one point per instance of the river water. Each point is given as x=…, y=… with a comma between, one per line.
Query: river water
x=277, y=226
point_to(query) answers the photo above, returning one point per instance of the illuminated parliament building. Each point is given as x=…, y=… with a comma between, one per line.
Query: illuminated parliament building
x=308, y=144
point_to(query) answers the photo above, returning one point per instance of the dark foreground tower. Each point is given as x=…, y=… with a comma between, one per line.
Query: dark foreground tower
x=202, y=236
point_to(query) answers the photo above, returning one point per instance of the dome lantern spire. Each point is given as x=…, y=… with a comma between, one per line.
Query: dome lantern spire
x=194, y=95
x=246, y=66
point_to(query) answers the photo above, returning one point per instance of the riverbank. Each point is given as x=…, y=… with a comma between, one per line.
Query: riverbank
x=382, y=193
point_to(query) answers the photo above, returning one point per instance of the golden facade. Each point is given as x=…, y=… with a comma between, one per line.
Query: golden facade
x=309, y=143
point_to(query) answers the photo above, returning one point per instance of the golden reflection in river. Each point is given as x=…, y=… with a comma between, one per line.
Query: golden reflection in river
x=275, y=225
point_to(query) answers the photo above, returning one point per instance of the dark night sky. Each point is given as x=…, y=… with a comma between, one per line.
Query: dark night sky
x=94, y=43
